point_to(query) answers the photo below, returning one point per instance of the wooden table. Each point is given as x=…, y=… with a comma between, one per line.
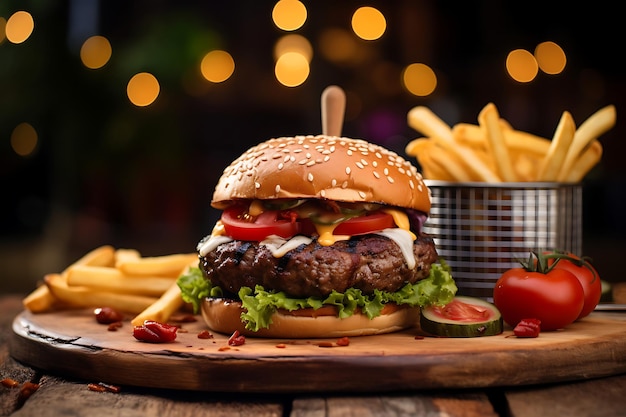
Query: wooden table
x=57, y=395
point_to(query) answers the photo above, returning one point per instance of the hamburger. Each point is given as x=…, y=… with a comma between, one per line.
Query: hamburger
x=319, y=236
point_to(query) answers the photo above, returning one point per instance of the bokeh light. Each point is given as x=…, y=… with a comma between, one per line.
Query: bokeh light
x=550, y=57
x=19, y=27
x=368, y=23
x=419, y=79
x=292, y=69
x=24, y=139
x=217, y=66
x=340, y=47
x=95, y=52
x=143, y=88
x=289, y=14
x=521, y=65
x=293, y=43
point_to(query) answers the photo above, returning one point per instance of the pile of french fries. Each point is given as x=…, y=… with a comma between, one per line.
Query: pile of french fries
x=118, y=278
x=493, y=151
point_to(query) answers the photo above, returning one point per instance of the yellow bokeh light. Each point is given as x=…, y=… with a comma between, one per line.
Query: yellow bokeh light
x=95, y=52
x=143, y=88
x=292, y=69
x=521, y=65
x=293, y=43
x=368, y=23
x=24, y=139
x=289, y=14
x=339, y=46
x=19, y=27
x=550, y=57
x=217, y=66
x=419, y=79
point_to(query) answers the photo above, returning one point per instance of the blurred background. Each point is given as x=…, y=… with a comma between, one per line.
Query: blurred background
x=118, y=117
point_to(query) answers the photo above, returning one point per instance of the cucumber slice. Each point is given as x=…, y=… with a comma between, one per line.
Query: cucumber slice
x=462, y=317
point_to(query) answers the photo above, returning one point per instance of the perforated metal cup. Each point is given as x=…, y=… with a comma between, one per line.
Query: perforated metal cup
x=483, y=229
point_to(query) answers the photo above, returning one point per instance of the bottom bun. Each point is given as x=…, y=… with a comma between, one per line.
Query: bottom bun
x=224, y=316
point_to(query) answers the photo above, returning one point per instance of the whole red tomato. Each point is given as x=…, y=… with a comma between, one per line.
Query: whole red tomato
x=553, y=296
x=586, y=274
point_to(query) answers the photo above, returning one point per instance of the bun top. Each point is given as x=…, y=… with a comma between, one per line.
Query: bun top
x=325, y=167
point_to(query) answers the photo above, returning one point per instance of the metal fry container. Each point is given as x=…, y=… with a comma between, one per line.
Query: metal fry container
x=483, y=229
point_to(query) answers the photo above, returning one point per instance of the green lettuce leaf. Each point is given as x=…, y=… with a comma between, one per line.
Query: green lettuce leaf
x=438, y=288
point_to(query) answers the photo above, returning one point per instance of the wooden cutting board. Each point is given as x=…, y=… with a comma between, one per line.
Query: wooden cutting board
x=72, y=343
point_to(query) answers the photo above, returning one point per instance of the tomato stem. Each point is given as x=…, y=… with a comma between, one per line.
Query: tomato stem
x=540, y=262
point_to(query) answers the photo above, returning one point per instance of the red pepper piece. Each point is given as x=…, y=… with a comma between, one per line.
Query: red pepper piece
x=236, y=339
x=528, y=328
x=154, y=332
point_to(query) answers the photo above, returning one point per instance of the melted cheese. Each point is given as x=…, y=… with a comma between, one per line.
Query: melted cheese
x=209, y=245
x=401, y=220
x=326, y=237
x=280, y=246
x=404, y=240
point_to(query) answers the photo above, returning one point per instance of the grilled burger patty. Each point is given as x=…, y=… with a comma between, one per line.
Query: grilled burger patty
x=365, y=262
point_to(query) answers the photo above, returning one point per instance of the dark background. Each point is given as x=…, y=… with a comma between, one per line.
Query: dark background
x=107, y=172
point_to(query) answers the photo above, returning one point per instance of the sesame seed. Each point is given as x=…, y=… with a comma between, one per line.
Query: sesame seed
x=326, y=158
x=391, y=180
x=276, y=156
x=345, y=184
x=363, y=161
x=302, y=161
x=323, y=193
x=376, y=174
x=360, y=165
x=350, y=152
x=362, y=194
x=386, y=171
x=411, y=184
x=348, y=170
x=310, y=177
x=280, y=166
x=310, y=163
x=277, y=188
x=257, y=185
x=333, y=182
x=374, y=164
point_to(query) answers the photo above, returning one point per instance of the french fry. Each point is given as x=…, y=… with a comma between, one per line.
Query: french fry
x=555, y=157
x=161, y=310
x=489, y=119
x=41, y=299
x=76, y=296
x=425, y=121
x=516, y=140
x=167, y=265
x=126, y=255
x=597, y=124
x=114, y=280
x=589, y=158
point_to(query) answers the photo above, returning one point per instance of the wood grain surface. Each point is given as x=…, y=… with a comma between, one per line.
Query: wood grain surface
x=72, y=343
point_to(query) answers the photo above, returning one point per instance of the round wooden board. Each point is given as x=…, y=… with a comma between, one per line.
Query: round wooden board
x=72, y=343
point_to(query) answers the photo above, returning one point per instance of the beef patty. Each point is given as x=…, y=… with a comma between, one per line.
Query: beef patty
x=365, y=262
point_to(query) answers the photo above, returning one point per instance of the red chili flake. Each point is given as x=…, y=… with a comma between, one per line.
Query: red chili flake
x=344, y=341
x=96, y=387
x=9, y=383
x=26, y=390
x=528, y=328
x=236, y=339
x=107, y=315
x=418, y=337
x=205, y=334
x=223, y=348
x=154, y=332
x=281, y=345
x=325, y=344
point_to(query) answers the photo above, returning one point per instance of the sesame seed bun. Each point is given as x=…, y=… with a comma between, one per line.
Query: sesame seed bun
x=326, y=167
x=223, y=316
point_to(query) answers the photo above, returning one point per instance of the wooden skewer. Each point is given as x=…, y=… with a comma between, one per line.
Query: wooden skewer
x=333, y=109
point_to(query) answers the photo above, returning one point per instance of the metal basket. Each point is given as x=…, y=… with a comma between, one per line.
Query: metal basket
x=482, y=229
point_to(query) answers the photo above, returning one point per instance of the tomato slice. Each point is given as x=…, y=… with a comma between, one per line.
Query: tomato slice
x=264, y=225
x=369, y=223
